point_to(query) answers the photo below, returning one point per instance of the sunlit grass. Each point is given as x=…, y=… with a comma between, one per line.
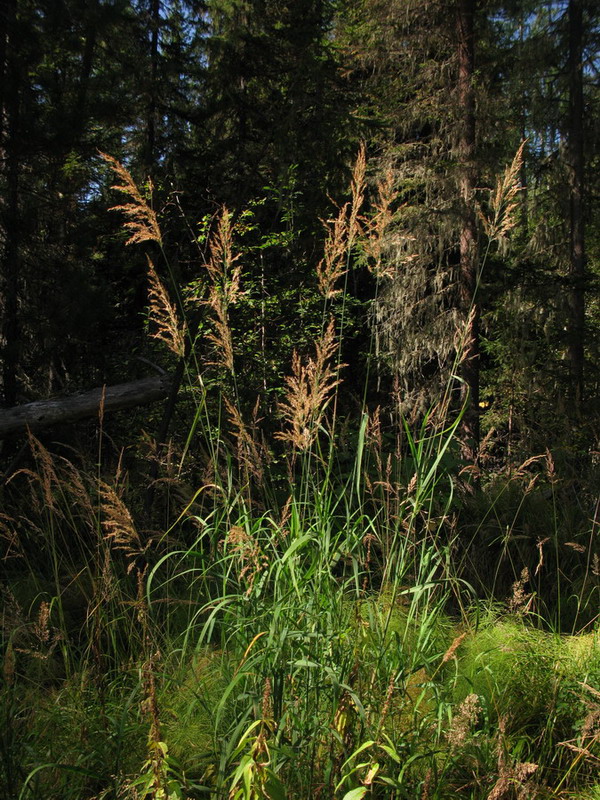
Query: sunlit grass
x=304, y=627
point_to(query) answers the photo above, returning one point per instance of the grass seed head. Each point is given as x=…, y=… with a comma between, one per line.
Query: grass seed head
x=502, y=217
x=463, y=721
x=142, y=221
x=118, y=525
x=309, y=390
x=163, y=314
x=225, y=276
x=450, y=652
x=342, y=232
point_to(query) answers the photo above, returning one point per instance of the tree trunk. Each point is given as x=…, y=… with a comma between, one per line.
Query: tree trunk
x=576, y=329
x=43, y=413
x=80, y=111
x=150, y=144
x=4, y=24
x=11, y=223
x=465, y=16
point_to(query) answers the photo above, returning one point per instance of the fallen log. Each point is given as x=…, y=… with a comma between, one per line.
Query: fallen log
x=44, y=413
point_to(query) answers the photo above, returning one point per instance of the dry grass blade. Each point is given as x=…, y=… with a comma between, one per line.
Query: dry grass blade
x=118, y=525
x=225, y=275
x=309, y=390
x=504, y=203
x=342, y=231
x=163, y=314
x=332, y=266
x=450, y=652
x=142, y=221
x=250, y=454
x=378, y=225
x=358, y=194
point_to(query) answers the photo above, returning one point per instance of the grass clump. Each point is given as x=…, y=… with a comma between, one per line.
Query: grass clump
x=302, y=628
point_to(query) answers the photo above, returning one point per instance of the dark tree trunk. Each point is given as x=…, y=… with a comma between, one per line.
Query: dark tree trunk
x=44, y=413
x=576, y=183
x=150, y=148
x=465, y=16
x=87, y=62
x=11, y=268
x=5, y=13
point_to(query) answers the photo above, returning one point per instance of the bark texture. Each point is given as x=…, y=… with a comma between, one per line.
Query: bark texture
x=576, y=180
x=465, y=16
x=43, y=413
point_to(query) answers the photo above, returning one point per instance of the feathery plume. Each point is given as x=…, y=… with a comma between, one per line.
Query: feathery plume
x=220, y=335
x=342, y=231
x=503, y=204
x=222, y=263
x=225, y=275
x=163, y=314
x=309, y=389
x=463, y=721
x=250, y=453
x=118, y=525
x=332, y=266
x=450, y=652
x=357, y=186
x=142, y=221
x=378, y=225
x=251, y=561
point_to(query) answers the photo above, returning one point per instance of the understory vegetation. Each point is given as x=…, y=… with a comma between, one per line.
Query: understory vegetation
x=318, y=600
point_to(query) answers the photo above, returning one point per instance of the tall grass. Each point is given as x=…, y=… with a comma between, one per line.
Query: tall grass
x=301, y=629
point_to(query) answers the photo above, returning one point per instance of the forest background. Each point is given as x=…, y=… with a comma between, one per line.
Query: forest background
x=356, y=245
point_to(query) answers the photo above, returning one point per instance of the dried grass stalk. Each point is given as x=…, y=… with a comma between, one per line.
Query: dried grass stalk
x=342, y=232
x=141, y=217
x=504, y=200
x=118, y=525
x=373, y=242
x=309, y=390
x=225, y=275
x=164, y=315
x=251, y=455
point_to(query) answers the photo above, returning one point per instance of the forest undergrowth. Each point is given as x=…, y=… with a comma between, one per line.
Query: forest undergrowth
x=326, y=609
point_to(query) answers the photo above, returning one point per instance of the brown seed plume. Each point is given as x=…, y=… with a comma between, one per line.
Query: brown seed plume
x=309, y=390
x=141, y=221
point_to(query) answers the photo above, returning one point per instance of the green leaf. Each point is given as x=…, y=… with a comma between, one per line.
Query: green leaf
x=274, y=788
x=355, y=794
